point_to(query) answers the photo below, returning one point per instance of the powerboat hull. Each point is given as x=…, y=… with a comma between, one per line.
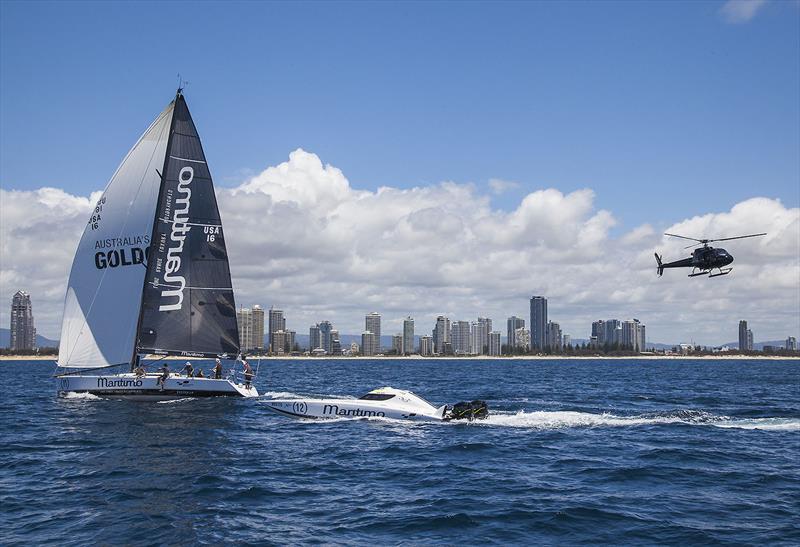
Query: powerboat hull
x=349, y=408
x=130, y=386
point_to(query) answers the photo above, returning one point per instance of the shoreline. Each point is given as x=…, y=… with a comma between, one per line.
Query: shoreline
x=454, y=358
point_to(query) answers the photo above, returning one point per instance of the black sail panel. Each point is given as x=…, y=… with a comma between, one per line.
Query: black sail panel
x=187, y=304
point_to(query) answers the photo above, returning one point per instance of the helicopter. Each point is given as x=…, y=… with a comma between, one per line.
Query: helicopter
x=704, y=260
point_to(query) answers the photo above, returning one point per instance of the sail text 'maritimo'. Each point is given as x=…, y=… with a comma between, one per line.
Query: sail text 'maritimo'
x=180, y=227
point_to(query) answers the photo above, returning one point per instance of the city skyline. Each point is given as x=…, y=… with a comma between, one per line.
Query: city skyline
x=459, y=179
x=459, y=337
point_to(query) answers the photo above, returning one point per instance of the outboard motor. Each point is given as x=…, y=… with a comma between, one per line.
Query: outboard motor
x=475, y=410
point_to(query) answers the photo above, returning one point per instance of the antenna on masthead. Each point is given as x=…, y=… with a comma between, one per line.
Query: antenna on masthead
x=181, y=84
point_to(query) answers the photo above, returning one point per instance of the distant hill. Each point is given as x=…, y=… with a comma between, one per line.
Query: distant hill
x=41, y=341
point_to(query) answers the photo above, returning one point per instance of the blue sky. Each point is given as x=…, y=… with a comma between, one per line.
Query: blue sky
x=664, y=109
x=678, y=116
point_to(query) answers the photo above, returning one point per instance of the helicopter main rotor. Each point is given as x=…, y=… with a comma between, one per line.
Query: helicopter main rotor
x=705, y=242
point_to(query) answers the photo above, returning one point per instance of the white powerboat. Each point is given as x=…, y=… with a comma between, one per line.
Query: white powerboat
x=385, y=402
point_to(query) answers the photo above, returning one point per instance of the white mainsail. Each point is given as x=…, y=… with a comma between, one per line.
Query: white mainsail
x=103, y=298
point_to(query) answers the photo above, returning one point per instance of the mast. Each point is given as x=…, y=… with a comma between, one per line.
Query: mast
x=148, y=252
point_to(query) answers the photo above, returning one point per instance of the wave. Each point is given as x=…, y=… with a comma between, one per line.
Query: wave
x=173, y=401
x=84, y=396
x=777, y=424
x=566, y=419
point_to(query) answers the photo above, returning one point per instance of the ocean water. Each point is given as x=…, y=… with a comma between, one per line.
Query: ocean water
x=575, y=452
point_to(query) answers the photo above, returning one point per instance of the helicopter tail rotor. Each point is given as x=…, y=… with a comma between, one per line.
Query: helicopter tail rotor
x=660, y=267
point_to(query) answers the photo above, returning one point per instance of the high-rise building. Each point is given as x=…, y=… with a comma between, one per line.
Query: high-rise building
x=279, y=342
x=408, y=335
x=522, y=337
x=512, y=324
x=494, y=346
x=567, y=340
x=369, y=343
x=614, y=331
x=460, y=337
x=251, y=328
x=743, y=341
x=486, y=325
x=325, y=329
x=538, y=322
x=291, y=340
x=630, y=335
x=791, y=344
x=633, y=335
x=276, y=323
x=397, y=343
x=336, y=345
x=314, y=339
x=553, y=335
x=23, y=332
x=245, y=324
x=425, y=346
x=372, y=323
x=257, y=334
x=477, y=336
x=441, y=334
x=598, y=332
x=749, y=340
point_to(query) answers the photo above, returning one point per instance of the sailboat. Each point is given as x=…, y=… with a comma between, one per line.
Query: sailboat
x=151, y=275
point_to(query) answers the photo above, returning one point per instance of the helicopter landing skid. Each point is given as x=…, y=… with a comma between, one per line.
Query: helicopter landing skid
x=703, y=272
x=722, y=271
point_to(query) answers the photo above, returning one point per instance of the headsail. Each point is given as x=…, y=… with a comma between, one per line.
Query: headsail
x=102, y=302
x=187, y=304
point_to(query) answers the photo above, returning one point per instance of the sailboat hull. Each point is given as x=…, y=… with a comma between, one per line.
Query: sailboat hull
x=129, y=386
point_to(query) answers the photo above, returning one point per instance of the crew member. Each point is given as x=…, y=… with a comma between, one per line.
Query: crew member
x=200, y=374
x=164, y=376
x=248, y=374
x=139, y=371
x=188, y=369
x=218, y=370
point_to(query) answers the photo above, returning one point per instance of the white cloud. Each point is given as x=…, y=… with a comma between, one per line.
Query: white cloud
x=301, y=238
x=740, y=11
x=500, y=186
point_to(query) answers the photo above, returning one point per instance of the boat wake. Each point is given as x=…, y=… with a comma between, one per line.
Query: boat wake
x=567, y=419
x=80, y=396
